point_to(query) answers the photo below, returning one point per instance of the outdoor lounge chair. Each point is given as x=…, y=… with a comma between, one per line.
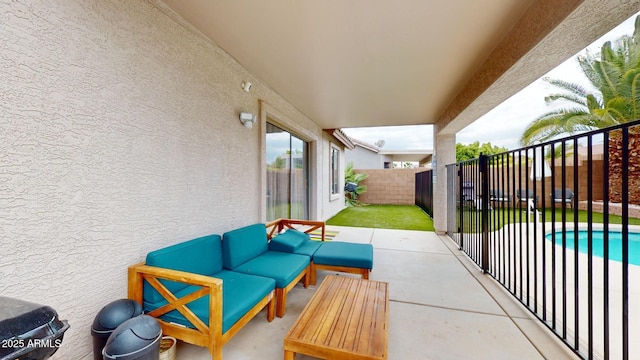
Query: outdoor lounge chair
x=496, y=196
x=560, y=196
x=468, y=192
x=469, y=196
x=526, y=198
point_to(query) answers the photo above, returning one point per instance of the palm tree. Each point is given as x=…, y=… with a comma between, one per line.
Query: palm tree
x=615, y=76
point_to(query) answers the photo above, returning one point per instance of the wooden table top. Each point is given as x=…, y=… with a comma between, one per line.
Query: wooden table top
x=347, y=318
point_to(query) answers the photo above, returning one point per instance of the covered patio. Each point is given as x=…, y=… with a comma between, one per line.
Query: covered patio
x=441, y=307
x=121, y=134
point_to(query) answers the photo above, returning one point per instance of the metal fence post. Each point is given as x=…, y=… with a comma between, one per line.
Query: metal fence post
x=461, y=202
x=484, y=174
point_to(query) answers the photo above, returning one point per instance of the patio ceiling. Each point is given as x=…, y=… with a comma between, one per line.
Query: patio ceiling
x=375, y=62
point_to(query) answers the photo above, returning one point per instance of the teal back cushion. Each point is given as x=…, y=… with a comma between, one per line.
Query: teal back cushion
x=302, y=236
x=243, y=244
x=289, y=241
x=199, y=256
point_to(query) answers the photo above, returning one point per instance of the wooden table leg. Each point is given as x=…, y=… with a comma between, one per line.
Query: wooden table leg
x=289, y=355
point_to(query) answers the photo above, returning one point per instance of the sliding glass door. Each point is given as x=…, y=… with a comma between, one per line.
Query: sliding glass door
x=287, y=175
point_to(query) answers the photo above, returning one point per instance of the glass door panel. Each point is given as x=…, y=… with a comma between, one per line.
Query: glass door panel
x=298, y=179
x=287, y=175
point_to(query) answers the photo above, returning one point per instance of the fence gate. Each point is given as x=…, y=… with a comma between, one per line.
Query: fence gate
x=424, y=191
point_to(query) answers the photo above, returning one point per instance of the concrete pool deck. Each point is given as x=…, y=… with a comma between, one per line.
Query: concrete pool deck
x=579, y=277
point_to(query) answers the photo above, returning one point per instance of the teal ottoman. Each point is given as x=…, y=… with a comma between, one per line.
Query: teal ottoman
x=344, y=257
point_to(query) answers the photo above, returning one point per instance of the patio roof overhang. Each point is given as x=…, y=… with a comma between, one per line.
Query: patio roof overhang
x=376, y=63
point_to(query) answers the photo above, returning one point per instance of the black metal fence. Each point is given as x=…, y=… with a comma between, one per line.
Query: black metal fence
x=424, y=191
x=556, y=225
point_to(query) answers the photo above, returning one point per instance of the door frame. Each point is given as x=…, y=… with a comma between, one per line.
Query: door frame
x=280, y=120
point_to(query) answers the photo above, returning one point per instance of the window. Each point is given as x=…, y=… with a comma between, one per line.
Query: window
x=335, y=171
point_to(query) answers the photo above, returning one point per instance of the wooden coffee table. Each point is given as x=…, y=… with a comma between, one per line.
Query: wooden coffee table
x=347, y=318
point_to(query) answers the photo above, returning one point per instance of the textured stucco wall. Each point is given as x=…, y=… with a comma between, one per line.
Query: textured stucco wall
x=119, y=134
x=363, y=158
x=333, y=203
x=445, y=153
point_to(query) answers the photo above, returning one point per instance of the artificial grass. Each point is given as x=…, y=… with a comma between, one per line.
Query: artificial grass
x=403, y=217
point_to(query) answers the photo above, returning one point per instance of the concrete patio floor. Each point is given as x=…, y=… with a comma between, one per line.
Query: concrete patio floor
x=441, y=307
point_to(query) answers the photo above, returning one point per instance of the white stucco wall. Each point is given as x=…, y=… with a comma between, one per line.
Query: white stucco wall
x=364, y=159
x=332, y=205
x=119, y=134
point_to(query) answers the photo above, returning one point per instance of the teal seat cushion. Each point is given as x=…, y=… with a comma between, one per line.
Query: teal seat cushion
x=303, y=236
x=288, y=241
x=280, y=266
x=243, y=244
x=309, y=248
x=199, y=256
x=240, y=293
x=338, y=253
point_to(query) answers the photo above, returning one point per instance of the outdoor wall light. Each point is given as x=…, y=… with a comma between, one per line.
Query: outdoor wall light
x=247, y=119
x=246, y=86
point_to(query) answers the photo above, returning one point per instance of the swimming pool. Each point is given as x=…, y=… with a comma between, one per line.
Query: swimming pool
x=615, y=244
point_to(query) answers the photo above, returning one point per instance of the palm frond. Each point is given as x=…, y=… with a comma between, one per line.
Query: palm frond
x=579, y=100
x=593, y=103
x=573, y=88
x=614, y=72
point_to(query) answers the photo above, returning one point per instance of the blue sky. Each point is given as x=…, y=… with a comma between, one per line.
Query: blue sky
x=513, y=115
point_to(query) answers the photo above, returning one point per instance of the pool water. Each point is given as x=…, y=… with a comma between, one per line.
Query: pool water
x=615, y=244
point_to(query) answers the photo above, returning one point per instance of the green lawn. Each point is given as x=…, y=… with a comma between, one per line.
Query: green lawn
x=404, y=217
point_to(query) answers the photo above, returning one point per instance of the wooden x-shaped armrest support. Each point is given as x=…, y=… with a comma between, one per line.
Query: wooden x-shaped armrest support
x=209, y=286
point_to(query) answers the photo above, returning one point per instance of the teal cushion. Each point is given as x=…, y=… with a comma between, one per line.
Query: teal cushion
x=199, y=256
x=338, y=253
x=280, y=266
x=288, y=241
x=309, y=248
x=240, y=293
x=243, y=244
x=300, y=234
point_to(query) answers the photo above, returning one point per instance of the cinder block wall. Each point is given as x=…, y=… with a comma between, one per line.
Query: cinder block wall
x=390, y=186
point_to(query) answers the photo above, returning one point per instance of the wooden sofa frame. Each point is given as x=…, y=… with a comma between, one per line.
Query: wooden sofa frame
x=281, y=293
x=277, y=226
x=208, y=335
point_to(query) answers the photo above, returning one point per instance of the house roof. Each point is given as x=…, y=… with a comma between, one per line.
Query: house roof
x=343, y=138
x=420, y=156
x=365, y=145
x=375, y=62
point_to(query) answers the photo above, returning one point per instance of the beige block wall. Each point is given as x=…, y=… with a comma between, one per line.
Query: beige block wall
x=389, y=186
x=119, y=134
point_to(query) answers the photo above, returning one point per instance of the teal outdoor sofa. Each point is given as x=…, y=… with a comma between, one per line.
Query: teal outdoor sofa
x=203, y=291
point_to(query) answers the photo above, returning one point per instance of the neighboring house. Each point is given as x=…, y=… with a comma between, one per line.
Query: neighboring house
x=368, y=156
x=365, y=156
